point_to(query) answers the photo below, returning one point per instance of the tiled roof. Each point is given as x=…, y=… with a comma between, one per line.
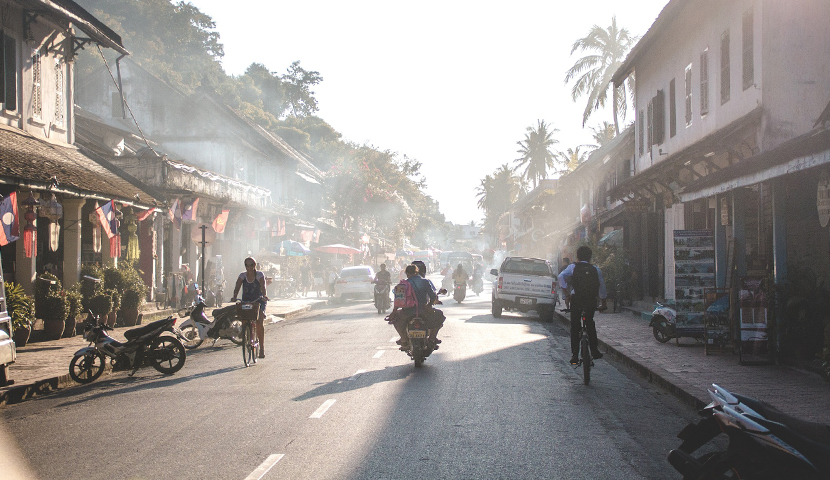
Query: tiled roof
x=27, y=160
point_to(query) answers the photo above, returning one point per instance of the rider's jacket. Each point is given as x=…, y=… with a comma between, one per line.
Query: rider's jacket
x=383, y=277
x=460, y=276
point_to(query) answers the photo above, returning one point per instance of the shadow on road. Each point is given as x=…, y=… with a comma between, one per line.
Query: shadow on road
x=363, y=380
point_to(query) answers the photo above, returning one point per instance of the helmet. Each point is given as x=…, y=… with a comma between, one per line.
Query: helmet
x=422, y=268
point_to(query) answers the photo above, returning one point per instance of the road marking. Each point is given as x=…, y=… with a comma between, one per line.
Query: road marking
x=394, y=339
x=323, y=409
x=265, y=466
x=379, y=353
x=354, y=377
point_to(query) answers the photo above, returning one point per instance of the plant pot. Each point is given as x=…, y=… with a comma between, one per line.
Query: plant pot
x=111, y=317
x=129, y=316
x=69, y=327
x=53, y=329
x=21, y=336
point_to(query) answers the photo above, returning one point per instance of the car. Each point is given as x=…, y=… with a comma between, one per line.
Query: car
x=525, y=284
x=355, y=282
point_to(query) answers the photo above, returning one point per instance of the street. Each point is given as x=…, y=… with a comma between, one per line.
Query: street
x=336, y=399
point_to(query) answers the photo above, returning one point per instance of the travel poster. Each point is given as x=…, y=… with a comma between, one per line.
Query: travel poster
x=694, y=270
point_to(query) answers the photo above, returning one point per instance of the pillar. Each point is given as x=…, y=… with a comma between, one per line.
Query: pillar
x=721, y=245
x=738, y=232
x=72, y=240
x=779, y=249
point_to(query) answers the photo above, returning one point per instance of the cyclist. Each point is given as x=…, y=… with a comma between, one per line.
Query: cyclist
x=586, y=282
x=252, y=282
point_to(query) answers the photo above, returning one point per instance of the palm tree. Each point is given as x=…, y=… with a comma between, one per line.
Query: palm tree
x=497, y=192
x=603, y=133
x=536, y=155
x=571, y=158
x=594, y=71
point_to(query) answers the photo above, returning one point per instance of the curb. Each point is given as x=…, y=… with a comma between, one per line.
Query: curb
x=654, y=376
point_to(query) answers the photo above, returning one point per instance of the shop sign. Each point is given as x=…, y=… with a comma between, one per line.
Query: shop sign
x=724, y=211
x=823, y=198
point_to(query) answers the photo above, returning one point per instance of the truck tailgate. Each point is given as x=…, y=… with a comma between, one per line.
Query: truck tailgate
x=529, y=286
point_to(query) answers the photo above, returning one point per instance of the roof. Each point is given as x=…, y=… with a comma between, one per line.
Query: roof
x=80, y=18
x=31, y=162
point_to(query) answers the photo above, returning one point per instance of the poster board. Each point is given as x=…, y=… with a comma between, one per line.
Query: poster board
x=753, y=306
x=694, y=270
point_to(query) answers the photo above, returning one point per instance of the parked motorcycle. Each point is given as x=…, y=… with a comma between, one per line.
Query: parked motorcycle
x=764, y=443
x=382, y=300
x=145, y=346
x=198, y=328
x=663, y=323
x=420, y=346
x=477, y=285
x=213, y=296
x=459, y=291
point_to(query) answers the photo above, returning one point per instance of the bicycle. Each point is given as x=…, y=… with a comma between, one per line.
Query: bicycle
x=586, y=358
x=248, y=313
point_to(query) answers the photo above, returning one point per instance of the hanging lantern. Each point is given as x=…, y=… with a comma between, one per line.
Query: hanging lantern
x=30, y=230
x=54, y=212
x=115, y=240
x=96, y=229
x=133, y=252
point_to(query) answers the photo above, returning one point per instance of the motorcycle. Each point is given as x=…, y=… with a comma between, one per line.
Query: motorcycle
x=198, y=328
x=420, y=346
x=145, y=346
x=447, y=283
x=478, y=284
x=663, y=323
x=459, y=291
x=213, y=296
x=764, y=443
x=382, y=301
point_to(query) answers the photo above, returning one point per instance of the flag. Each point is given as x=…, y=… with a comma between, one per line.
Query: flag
x=305, y=235
x=189, y=210
x=106, y=214
x=280, y=227
x=9, y=220
x=316, y=238
x=175, y=213
x=220, y=221
x=144, y=215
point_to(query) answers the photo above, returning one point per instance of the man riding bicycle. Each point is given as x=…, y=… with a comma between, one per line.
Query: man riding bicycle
x=586, y=282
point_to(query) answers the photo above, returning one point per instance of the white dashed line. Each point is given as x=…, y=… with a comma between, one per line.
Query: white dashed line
x=265, y=466
x=379, y=353
x=394, y=339
x=323, y=409
x=354, y=377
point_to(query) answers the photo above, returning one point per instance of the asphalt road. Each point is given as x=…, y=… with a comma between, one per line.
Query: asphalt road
x=336, y=399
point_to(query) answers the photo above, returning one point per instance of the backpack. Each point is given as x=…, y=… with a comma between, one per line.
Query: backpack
x=585, y=283
x=404, y=295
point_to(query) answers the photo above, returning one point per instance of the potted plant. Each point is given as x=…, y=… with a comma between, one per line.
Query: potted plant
x=21, y=308
x=73, y=297
x=101, y=305
x=90, y=284
x=55, y=309
x=133, y=296
x=115, y=298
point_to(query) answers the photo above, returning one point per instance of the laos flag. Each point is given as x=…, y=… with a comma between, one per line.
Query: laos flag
x=9, y=220
x=106, y=214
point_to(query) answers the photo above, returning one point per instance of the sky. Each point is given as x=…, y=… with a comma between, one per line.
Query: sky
x=453, y=84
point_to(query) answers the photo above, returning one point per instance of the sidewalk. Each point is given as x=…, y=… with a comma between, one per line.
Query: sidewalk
x=44, y=366
x=686, y=372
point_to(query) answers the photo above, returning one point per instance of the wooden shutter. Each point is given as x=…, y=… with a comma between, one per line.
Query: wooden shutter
x=10, y=72
x=659, y=117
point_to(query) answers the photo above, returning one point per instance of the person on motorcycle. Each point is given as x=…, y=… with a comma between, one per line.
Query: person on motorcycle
x=426, y=297
x=586, y=282
x=434, y=317
x=383, y=275
x=460, y=275
x=252, y=282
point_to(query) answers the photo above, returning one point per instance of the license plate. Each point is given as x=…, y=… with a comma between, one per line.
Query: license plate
x=417, y=334
x=247, y=306
x=525, y=301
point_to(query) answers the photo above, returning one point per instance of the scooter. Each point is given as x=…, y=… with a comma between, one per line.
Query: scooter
x=459, y=292
x=198, y=328
x=663, y=323
x=478, y=284
x=382, y=300
x=145, y=346
x=764, y=443
x=420, y=345
x=446, y=283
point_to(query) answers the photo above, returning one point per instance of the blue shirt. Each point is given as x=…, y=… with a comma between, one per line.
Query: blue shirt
x=568, y=272
x=423, y=289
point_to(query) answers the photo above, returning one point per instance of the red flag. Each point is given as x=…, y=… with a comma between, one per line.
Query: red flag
x=146, y=215
x=220, y=221
x=280, y=226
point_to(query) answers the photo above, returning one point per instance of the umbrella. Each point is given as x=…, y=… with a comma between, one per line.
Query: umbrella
x=337, y=249
x=294, y=248
x=403, y=253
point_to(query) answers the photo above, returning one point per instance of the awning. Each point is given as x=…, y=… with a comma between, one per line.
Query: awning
x=307, y=178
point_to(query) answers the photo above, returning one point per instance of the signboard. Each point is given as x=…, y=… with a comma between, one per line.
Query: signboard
x=823, y=199
x=694, y=270
x=196, y=234
x=754, y=318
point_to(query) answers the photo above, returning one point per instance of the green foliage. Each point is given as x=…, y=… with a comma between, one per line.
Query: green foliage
x=54, y=307
x=88, y=288
x=45, y=285
x=75, y=301
x=113, y=278
x=496, y=193
x=101, y=304
x=20, y=306
x=115, y=299
x=535, y=150
x=134, y=288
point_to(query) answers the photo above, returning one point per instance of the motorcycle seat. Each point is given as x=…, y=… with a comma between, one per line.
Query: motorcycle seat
x=143, y=330
x=223, y=311
x=817, y=432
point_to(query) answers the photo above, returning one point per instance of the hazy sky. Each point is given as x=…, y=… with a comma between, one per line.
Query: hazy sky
x=453, y=84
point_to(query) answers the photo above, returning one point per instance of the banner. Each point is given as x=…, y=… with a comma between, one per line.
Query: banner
x=220, y=221
x=145, y=215
x=175, y=213
x=9, y=219
x=106, y=214
x=189, y=210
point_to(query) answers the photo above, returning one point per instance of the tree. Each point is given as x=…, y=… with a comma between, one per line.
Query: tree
x=497, y=192
x=603, y=133
x=573, y=157
x=298, y=82
x=609, y=48
x=536, y=155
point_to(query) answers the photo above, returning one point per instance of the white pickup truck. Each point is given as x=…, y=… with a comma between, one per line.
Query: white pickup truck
x=525, y=284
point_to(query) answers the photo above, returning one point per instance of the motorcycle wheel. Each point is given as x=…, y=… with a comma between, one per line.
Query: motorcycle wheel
x=237, y=326
x=167, y=354
x=86, y=368
x=659, y=332
x=191, y=333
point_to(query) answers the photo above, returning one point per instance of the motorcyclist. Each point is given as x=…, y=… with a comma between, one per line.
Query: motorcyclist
x=460, y=275
x=433, y=317
x=426, y=297
x=382, y=277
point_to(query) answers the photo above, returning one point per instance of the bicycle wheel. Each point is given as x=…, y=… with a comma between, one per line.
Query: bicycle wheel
x=585, y=350
x=247, y=348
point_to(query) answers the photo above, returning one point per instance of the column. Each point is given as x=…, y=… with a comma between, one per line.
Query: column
x=720, y=245
x=779, y=249
x=72, y=240
x=738, y=233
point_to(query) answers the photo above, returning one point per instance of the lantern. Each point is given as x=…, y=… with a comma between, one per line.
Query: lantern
x=30, y=230
x=115, y=240
x=54, y=212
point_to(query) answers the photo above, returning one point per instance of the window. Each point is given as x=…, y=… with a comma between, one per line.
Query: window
x=60, y=104
x=672, y=110
x=641, y=131
x=8, y=72
x=689, y=95
x=748, y=42
x=37, y=89
x=650, y=120
x=659, y=117
x=724, y=68
x=704, y=82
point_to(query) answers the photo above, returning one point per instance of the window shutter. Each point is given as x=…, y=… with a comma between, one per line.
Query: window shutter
x=672, y=109
x=659, y=117
x=10, y=64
